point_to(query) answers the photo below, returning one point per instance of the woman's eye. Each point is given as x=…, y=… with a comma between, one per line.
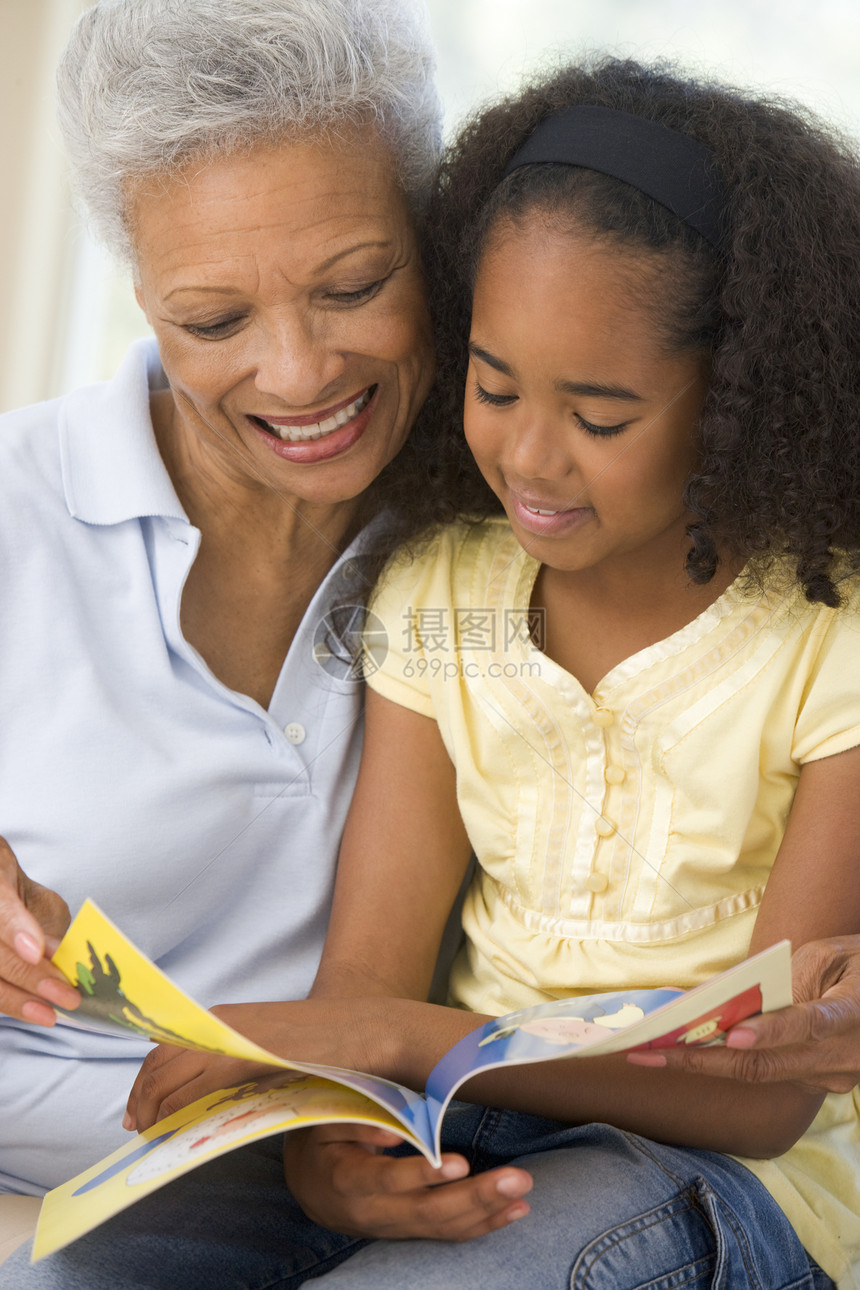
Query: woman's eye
x=601, y=432
x=215, y=331
x=359, y=295
x=494, y=400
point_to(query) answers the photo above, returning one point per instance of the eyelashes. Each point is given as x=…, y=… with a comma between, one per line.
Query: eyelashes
x=214, y=331
x=494, y=400
x=506, y=400
x=223, y=328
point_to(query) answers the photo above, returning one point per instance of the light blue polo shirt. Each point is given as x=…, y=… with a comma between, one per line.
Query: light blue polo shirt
x=205, y=826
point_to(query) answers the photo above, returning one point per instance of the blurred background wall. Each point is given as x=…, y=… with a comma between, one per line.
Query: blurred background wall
x=67, y=313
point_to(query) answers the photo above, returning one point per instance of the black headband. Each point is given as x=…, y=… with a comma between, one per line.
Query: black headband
x=678, y=172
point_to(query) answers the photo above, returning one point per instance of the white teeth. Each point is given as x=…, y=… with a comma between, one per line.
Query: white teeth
x=534, y=510
x=303, y=434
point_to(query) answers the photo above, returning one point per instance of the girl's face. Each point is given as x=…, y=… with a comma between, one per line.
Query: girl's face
x=580, y=421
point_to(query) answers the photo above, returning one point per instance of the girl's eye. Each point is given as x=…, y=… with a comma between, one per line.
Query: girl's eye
x=359, y=295
x=494, y=400
x=217, y=330
x=601, y=432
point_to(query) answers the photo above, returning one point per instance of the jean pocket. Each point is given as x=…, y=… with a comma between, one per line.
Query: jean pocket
x=694, y=1240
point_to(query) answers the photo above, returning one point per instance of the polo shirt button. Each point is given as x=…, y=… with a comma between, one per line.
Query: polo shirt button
x=295, y=733
x=603, y=716
x=604, y=828
x=596, y=882
x=614, y=775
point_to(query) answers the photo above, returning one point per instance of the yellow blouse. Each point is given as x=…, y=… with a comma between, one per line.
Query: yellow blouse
x=624, y=838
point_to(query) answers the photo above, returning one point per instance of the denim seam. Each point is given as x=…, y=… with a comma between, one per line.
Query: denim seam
x=613, y=1237
x=732, y=1219
x=315, y=1268
x=487, y=1125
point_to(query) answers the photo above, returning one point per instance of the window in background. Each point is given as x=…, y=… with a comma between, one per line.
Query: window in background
x=484, y=48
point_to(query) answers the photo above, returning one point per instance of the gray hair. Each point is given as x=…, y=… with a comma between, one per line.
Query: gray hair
x=146, y=86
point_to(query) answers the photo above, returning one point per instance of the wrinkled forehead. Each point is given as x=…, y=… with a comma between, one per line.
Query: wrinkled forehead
x=321, y=186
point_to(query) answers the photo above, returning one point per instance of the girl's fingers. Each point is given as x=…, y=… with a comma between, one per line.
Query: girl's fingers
x=405, y=1197
x=370, y=1136
x=152, y=1083
x=172, y=1077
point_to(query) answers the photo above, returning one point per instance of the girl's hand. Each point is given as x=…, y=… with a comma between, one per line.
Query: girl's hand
x=342, y=1181
x=32, y=919
x=814, y=1043
x=324, y=1032
x=172, y=1077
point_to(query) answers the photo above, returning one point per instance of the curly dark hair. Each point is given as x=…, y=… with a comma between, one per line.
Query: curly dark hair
x=778, y=306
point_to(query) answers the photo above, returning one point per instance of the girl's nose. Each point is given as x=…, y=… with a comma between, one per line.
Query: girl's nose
x=537, y=450
x=296, y=362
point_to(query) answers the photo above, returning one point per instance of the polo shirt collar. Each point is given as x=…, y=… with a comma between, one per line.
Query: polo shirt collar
x=112, y=469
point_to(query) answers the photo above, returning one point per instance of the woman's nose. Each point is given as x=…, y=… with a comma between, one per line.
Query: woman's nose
x=297, y=363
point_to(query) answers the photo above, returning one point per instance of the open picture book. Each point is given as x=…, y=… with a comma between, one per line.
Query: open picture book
x=127, y=995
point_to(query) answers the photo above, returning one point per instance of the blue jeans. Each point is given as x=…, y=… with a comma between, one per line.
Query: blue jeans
x=609, y=1211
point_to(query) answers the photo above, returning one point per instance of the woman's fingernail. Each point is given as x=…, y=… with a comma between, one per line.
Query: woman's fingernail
x=646, y=1059
x=741, y=1037
x=454, y=1169
x=127, y=1121
x=511, y=1185
x=517, y=1211
x=39, y=1013
x=28, y=947
x=58, y=992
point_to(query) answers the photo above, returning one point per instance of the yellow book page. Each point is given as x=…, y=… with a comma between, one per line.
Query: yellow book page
x=123, y=992
x=207, y=1128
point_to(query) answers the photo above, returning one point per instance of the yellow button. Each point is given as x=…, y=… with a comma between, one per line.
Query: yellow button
x=604, y=828
x=614, y=775
x=603, y=716
x=597, y=882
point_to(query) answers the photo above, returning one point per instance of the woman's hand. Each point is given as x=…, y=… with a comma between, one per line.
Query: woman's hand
x=342, y=1181
x=32, y=919
x=814, y=1043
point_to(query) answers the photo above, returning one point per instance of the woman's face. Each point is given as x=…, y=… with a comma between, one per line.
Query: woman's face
x=284, y=288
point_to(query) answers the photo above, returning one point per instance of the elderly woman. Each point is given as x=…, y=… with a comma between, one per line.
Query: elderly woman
x=191, y=525
x=173, y=540
x=181, y=738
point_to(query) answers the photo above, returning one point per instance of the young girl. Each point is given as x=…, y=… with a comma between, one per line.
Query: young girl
x=640, y=684
x=627, y=678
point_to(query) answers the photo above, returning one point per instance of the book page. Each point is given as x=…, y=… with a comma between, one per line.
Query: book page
x=207, y=1128
x=610, y=1023
x=125, y=994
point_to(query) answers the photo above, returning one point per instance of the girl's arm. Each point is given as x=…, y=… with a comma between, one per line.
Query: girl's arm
x=812, y=893
x=403, y=857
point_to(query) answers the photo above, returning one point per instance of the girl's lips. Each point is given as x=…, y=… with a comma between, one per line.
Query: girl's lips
x=558, y=524
x=322, y=449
